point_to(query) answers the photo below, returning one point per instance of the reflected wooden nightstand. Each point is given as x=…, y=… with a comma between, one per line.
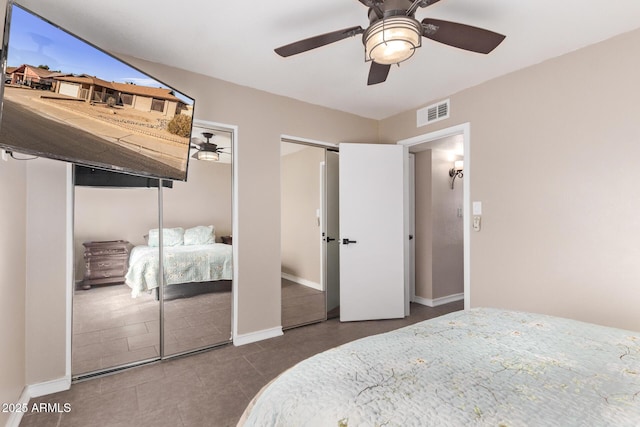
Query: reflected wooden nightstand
x=105, y=262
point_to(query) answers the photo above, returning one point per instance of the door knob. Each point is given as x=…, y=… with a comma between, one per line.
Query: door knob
x=329, y=239
x=347, y=241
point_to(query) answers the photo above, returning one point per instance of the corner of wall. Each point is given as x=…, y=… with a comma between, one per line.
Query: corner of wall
x=47, y=271
x=12, y=284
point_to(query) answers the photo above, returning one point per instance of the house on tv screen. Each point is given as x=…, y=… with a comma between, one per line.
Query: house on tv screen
x=95, y=90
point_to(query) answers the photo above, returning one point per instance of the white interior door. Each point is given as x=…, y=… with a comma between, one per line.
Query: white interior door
x=374, y=235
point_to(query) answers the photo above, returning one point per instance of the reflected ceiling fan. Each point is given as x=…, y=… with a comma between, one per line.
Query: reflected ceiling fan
x=206, y=150
x=394, y=34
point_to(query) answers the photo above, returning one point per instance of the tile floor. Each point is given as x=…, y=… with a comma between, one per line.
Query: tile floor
x=207, y=389
x=301, y=304
x=111, y=329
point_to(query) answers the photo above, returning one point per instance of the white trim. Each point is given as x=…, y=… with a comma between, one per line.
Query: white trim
x=37, y=390
x=464, y=130
x=16, y=417
x=438, y=134
x=438, y=301
x=48, y=387
x=301, y=281
x=412, y=227
x=300, y=140
x=406, y=199
x=323, y=223
x=70, y=270
x=242, y=339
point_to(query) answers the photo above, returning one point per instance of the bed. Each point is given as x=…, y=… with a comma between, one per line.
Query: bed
x=186, y=260
x=474, y=367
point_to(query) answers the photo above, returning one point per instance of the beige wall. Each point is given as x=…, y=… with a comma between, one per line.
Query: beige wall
x=112, y=214
x=439, y=243
x=129, y=213
x=301, y=244
x=48, y=213
x=13, y=212
x=448, y=257
x=424, y=229
x=261, y=119
x=33, y=274
x=554, y=155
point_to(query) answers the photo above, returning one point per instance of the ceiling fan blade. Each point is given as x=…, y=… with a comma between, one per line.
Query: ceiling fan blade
x=461, y=36
x=378, y=73
x=318, y=41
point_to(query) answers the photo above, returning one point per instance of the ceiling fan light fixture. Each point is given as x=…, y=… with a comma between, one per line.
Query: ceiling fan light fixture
x=211, y=156
x=392, y=40
x=207, y=150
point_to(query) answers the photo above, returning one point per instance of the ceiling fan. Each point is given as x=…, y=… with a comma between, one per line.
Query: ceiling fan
x=394, y=34
x=206, y=150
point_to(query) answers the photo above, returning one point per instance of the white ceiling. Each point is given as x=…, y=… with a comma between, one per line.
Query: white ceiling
x=234, y=41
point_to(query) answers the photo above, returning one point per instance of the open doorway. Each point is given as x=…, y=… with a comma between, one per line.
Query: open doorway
x=440, y=193
x=309, y=234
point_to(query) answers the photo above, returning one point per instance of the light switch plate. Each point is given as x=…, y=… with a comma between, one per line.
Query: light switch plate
x=477, y=208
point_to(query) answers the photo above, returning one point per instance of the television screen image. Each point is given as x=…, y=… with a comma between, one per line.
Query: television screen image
x=66, y=99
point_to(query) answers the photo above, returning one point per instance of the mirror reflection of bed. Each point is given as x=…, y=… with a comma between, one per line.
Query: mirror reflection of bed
x=197, y=284
x=117, y=323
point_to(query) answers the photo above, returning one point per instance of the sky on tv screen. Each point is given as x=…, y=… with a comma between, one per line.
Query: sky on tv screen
x=36, y=42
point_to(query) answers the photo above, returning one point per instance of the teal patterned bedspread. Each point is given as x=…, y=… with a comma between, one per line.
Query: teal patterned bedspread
x=480, y=367
x=182, y=264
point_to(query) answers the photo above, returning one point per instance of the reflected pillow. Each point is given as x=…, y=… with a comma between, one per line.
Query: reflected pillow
x=200, y=235
x=170, y=237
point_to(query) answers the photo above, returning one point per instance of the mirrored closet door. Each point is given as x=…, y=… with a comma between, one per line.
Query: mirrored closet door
x=197, y=252
x=114, y=324
x=309, y=233
x=130, y=308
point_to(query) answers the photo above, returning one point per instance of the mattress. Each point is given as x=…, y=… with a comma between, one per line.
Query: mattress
x=475, y=367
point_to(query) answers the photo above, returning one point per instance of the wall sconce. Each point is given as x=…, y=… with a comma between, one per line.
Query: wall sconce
x=456, y=171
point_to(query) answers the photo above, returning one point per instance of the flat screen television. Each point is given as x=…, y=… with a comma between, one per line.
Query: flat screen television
x=84, y=176
x=65, y=98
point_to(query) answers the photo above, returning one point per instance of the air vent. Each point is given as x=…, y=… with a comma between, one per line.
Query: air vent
x=433, y=113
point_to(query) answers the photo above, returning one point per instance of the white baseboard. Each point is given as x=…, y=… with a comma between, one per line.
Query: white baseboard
x=301, y=281
x=242, y=339
x=438, y=301
x=16, y=417
x=37, y=390
x=49, y=387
